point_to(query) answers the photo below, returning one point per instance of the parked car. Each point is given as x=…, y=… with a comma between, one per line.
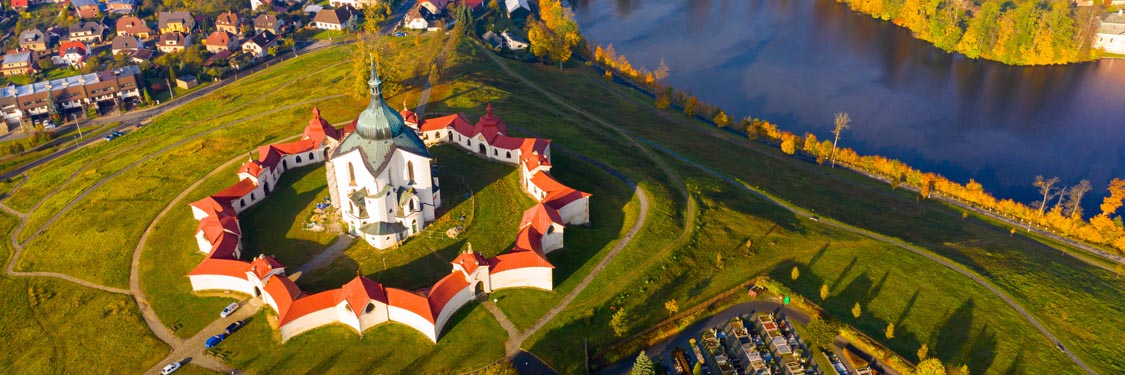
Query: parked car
x=235, y=326
x=400, y=34
x=215, y=340
x=1059, y=345
x=109, y=137
x=117, y=133
x=170, y=368
x=230, y=309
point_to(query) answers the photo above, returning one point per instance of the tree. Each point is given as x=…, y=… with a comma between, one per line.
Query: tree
x=795, y=273
x=662, y=71
x=1046, y=188
x=788, y=143
x=620, y=322
x=930, y=366
x=147, y=97
x=959, y=370
x=372, y=15
x=643, y=365
x=663, y=101
x=824, y=292
x=697, y=369
x=46, y=64
x=843, y=121
x=820, y=332
x=672, y=306
x=857, y=310
x=691, y=106
x=1074, y=201
x=923, y=352
x=1112, y=202
x=555, y=33
x=721, y=119
x=890, y=332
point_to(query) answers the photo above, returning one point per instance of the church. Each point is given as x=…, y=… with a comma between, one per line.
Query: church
x=380, y=176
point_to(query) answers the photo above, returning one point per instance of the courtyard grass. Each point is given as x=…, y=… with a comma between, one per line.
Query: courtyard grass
x=276, y=226
x=56, y=327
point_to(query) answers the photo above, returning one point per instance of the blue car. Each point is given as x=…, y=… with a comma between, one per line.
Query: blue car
x=215, y=340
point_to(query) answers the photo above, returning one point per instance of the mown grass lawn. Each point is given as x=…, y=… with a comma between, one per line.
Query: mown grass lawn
x=56, y=327
x=276, y=226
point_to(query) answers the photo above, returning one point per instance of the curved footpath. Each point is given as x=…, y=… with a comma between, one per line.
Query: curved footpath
x=803, y=212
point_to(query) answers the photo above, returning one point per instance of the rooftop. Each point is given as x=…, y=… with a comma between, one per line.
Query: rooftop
x=72, y=81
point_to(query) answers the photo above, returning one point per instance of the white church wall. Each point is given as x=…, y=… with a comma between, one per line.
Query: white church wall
x=412, y=320
x=527, y=277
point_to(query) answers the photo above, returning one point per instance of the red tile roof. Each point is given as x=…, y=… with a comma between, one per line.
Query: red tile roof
x=224, y=246
x=284, y=292
x=263, y=264
x=319, y=129
x=218, y=38
x=457, y=121
x=540, y=218
x=222, y=267
x=506, y=142
x=238, y=190
x=516, y=260
x=213, y=207
x=409, y=116
x=72, y=44
x=360, y=291
x=295, y=147
x=489, y=125
x=470, y=261
x=268, y=156
x=533, y=161
x=213, y=226
x=535, y=146
x=19, y=3
x=410, y=302
x=308, y=305
x=529, y=240
x=252, y=167
x=561, y=198
x=444, y=290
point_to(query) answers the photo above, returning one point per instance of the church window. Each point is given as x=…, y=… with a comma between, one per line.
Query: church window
x=551, y=229
x=411, y=205
x=370, y=308
x=347, y=306
x=351, y=174
x=252, y=197
x=312, y=156
x=508, y=155
x=410, y=171
x=242, y=202
x=298, y=158
x=495, y=152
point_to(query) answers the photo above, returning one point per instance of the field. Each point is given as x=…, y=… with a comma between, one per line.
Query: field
x=87, y=210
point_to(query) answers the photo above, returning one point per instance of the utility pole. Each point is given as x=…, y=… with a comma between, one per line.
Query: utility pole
x=170, y=92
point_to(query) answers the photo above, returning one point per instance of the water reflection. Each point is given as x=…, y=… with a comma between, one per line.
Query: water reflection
x=797, y=62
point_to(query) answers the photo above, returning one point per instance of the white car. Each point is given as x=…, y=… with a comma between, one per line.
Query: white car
x=170, y=368
x=230, y=309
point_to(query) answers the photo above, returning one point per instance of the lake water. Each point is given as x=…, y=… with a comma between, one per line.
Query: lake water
x=796, y=62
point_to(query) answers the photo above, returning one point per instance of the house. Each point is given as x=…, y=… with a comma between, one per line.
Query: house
x=492, y=39
x=221, y=41
x=227, y=21
x=87, y=8
x=433, y=8
x=133, y=26
x=513, y=42
x=259, y=45
x=267, y=22
x=1111, y=34
x=353, y=3
x=18, y=62
x=24, y=4
x=333, y=19
x=110, y=86
x=125, y=44
x=414, y=19
x=170, y=22
x=186, y=82
x=35, y=40
x=173, y=42
x=517, y=8
x=140, y=55
x=87, y=32
x=257, y=5
x=74, y=53
x=121, y=6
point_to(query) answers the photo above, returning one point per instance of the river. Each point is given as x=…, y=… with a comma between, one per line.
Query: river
x=796, y=62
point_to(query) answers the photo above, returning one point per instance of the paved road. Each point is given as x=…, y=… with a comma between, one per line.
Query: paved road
x=325, y=257
x=193, y=347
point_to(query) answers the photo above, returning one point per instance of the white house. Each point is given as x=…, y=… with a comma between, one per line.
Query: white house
x=1111, y=34
x=333, y=19
x=259, y=45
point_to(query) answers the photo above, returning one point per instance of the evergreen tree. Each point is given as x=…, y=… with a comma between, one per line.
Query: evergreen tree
x=643, y=365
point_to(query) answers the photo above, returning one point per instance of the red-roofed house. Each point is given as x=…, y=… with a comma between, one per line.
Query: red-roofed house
x=210, y=207
x=547, y=222
x=440, y=129
x=220, y=41
x=73, y=53
x=573, y=205
x=212, y=227
x=241, y=195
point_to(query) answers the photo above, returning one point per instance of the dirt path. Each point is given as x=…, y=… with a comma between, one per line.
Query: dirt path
x=325, y=257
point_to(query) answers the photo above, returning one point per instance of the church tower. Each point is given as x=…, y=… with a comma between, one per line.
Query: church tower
x=380, y=176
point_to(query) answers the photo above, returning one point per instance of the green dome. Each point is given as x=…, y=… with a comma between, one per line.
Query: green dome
x=379, y=121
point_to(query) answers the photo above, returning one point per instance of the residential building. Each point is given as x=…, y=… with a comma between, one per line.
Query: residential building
x=126, y=44
x=73, y=53
x=259, y=45
x=110, y=86
x=414, y=19
x=35, y=40
x=492, y=39
x=517, y=8
x=1111, y=33
x=353, y=3
x=433, y=8
x=134, y=26
x=18, y=62
x=257, y=5
x=141, y=55
x=333, y=19
x=87, y=8
x=87, y=32
x=513, y=42
x=121, y=6
x=227, y=21
x=170, y=22
x=267, y=22
x=24, y=4
x=173, y=42
x=221, y=41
